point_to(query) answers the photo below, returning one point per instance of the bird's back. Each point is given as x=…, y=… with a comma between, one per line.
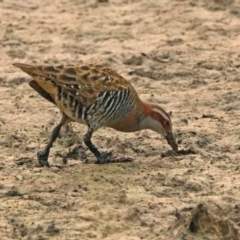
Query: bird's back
x=90, y=94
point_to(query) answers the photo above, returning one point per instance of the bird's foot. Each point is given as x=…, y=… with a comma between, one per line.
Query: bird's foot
x=42, y=157
x=105, y=157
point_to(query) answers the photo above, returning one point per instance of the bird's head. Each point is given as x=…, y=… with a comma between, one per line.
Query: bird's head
x=158, y=120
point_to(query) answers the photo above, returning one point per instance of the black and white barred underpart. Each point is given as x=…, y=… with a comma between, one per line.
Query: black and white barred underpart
x=109, y=107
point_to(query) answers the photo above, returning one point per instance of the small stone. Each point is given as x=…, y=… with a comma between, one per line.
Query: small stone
x=52, y=229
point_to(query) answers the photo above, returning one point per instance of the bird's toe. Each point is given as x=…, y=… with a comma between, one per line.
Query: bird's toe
x=105, y=157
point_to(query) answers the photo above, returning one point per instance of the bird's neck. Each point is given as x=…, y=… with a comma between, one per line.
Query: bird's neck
x=147, y=119
x=140, y=118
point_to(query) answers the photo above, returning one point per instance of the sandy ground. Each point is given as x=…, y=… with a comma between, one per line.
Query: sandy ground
x=183, y=55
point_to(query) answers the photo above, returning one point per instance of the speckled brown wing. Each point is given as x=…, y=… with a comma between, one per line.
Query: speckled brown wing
x=84, y=83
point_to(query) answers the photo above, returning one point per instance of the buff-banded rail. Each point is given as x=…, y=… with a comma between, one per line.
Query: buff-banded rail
x=98, y=97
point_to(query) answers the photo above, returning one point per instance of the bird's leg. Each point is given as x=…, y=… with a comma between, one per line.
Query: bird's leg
x=103, y=157
x=43, y=154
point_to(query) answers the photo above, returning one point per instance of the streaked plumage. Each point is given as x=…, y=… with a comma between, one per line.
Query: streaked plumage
x=96, y=96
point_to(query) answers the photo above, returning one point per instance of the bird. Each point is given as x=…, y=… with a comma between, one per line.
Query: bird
x=96, y=96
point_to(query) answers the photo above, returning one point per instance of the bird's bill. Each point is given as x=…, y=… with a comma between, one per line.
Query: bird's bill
x=171, y=141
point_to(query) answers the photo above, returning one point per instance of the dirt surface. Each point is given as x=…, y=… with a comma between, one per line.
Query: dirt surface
x=183, y=55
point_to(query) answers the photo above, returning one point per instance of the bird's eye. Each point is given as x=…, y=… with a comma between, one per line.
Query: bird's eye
x=166, y=123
